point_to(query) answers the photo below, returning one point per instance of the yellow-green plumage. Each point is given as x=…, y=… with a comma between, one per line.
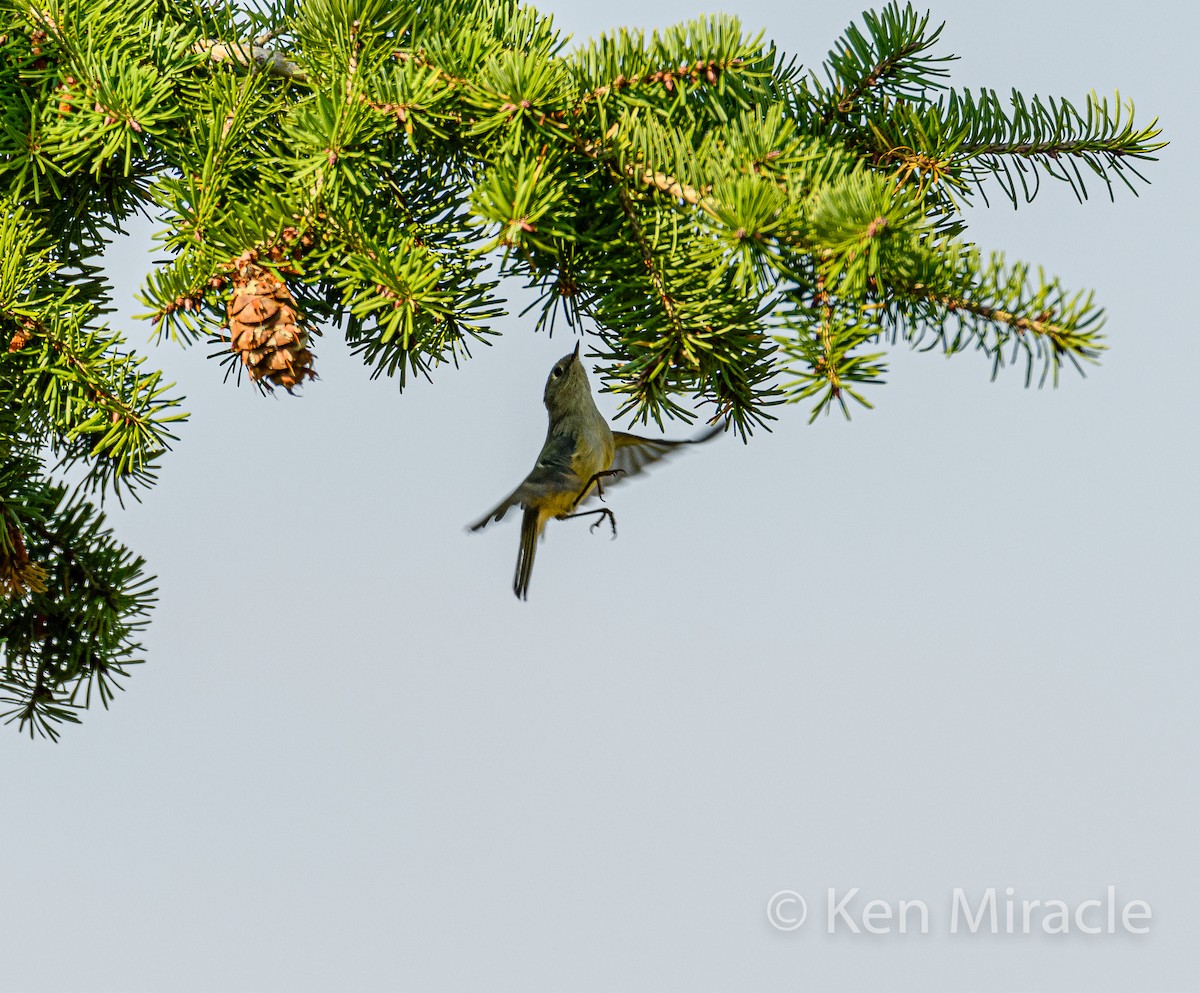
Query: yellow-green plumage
x=579, y=446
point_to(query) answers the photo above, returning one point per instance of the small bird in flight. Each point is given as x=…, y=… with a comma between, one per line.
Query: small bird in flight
x=580, y=451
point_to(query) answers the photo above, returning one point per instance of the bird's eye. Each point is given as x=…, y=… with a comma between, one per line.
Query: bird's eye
x=558, y=371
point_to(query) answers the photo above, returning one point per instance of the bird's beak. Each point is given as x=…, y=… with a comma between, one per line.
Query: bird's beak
x=575, y=354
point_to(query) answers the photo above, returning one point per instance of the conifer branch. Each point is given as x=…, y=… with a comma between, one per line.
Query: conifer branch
x=76, y=635
x=249, y=55
x=19, y=574
x=647, y=175
x=1000, y=306
x=648, y=260
x=893, y=59
x=672, y=187
x=102, y=409
x=706, y=70
x=720, y=216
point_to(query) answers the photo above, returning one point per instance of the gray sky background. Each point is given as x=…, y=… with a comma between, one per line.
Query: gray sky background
x=948, y=644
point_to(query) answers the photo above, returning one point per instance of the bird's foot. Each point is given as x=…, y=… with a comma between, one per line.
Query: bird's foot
x=599, y=488
x=601, y=514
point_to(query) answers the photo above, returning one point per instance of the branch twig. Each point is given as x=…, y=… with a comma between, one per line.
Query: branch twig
x=250, y=55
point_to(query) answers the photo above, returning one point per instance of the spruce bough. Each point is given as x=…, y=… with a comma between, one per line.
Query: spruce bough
x=731, y=227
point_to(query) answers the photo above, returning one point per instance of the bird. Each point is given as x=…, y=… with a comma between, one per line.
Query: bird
x=580, y=452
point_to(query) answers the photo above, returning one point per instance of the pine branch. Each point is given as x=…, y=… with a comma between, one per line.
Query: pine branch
x=251, y=55
x=99, y=407
x=891, y=60
x=1053, y=137
x=822, y=352
x=77, y=636
x=718, y=217
x=995, y=307
x=968, y=140
x=94, y=402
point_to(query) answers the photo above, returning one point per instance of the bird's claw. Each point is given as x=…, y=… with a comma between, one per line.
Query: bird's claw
x=599, y=488
x=604, y=513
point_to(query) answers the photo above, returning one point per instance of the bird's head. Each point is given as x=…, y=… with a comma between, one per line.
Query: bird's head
x=567, y=385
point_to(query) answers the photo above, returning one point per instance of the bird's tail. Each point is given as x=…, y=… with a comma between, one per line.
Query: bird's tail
x=529, y=537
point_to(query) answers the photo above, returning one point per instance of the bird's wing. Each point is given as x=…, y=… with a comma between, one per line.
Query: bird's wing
x=551, y=474
x=635, y=453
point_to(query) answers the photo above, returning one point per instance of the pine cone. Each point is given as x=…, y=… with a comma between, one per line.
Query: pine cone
x=267, y=329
